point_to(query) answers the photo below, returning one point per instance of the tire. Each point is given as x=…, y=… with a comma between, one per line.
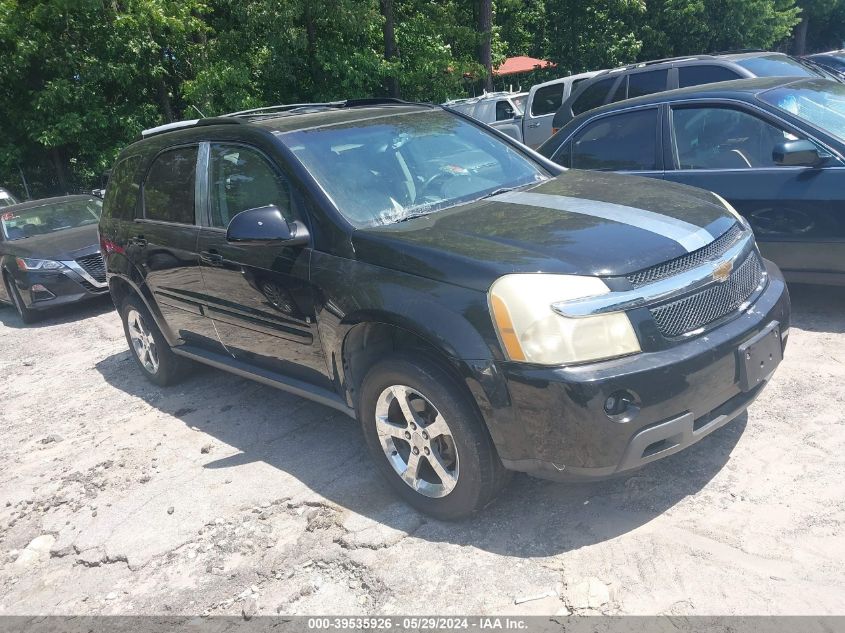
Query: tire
x=148, y=346
x=26, y=315
x=458, y=471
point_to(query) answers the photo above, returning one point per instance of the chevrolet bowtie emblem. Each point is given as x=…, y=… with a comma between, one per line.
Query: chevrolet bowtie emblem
x=722, y=271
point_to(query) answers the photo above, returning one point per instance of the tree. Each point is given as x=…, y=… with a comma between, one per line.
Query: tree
x=684, y=27
x=822, y=25
x=485, y=45
x=390, y=52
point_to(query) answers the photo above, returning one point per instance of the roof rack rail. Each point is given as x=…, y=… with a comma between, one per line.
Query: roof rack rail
x=665, y=60
x=287, y=107
x=292, y=108
x=178, y=125
x=737, y=51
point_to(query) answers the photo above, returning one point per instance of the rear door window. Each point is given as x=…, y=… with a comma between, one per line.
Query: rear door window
x=704, y=74
x=593, y=96
x=620, y=142
x=169, y=188
x=646, y=83
x=547, y=100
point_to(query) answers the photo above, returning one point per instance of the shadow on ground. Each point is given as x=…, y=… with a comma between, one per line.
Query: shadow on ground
x=818, y=308
x=325, y=451
x=57, y=316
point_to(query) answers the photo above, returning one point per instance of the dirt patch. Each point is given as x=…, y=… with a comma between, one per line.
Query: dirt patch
x=222, y=496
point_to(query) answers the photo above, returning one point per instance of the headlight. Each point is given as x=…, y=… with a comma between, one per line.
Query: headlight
x=531, y=332
x=742, y=221
x=37, y=264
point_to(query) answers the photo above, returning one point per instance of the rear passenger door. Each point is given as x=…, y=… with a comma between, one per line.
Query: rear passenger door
x=259, y=296
x=163, y=244
x=627, y=141
x=795, y=211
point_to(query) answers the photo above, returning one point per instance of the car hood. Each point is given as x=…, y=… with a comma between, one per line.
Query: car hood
x=579, y=223
x=64, y=245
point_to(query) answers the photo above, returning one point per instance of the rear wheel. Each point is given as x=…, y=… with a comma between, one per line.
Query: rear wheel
x=148, y=345
x=26, y=315
x=428, y=439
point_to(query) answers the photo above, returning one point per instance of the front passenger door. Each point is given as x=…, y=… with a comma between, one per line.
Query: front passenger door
x=258, y=296
x=796, y=212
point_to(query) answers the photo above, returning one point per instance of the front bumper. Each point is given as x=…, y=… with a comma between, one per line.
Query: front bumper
x=560, y=429
x=62, y=287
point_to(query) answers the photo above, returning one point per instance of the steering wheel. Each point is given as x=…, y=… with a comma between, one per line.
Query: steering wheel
x=439, y=179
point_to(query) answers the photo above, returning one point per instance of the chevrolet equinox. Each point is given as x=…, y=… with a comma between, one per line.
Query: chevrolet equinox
x=477, y=308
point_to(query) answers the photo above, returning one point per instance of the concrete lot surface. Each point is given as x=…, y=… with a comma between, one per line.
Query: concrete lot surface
x=222, y=496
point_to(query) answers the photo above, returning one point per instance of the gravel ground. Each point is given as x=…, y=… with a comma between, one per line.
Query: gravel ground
x=222, y=496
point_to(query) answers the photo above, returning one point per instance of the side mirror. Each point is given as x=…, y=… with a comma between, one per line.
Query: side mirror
x=265, y=225
x=802, y=153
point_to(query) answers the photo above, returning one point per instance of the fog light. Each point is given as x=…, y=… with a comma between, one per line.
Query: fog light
x=40, y=293
x=622, y=406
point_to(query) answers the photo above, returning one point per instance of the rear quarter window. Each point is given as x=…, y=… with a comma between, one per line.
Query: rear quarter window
x=593, y=96
x=122, y=190
x=698, y=75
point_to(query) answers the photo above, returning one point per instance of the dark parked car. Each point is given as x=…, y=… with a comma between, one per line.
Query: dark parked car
x=49, y=254
x=639, y=80
x=6, y=198
x=833, y=61
x=774, y=148
x=475, y=307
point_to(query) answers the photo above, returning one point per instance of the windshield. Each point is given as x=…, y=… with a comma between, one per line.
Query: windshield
x=776, y=66
x=6, y=199
x=836, y=61
x=386, y=169
x=49, y=218
x=819, y=102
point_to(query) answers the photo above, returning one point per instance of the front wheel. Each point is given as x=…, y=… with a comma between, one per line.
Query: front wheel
x=26, y=315
x=428, y=439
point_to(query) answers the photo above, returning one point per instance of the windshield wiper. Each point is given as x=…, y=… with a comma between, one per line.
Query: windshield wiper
x=498, y=192
x=412, y=216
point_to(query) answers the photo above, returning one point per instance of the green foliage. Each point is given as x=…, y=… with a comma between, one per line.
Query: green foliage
x=81, y=78
x=682, y=27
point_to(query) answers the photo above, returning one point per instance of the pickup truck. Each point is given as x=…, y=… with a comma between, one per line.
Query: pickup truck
x=524, y=116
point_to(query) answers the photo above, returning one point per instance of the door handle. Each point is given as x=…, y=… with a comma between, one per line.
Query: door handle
x=533, y=125
x=211, y=258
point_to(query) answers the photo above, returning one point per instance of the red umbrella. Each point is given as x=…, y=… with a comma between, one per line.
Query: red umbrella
x=521, y=64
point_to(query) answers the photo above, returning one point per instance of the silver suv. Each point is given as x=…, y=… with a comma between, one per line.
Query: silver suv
x=638, y=80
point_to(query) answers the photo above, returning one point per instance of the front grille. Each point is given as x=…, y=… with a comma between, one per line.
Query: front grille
x=714, y=302
x=91, y=287
x=94, y=265
x=714, y=250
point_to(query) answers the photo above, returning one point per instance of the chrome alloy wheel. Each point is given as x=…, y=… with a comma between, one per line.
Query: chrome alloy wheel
x=142, y=341
x=417, y=441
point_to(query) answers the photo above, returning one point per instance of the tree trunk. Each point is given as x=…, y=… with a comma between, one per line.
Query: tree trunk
x=59, y=165
x=801, y=35
x=485, y=49
x=311, y=43
x=390, y=52
x=164, y=100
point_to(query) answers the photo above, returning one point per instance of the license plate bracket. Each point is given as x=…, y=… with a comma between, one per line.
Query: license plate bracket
x=758, y=357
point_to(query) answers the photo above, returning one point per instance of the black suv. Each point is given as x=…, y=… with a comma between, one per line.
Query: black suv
x=638, y=80
x=478, y=308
